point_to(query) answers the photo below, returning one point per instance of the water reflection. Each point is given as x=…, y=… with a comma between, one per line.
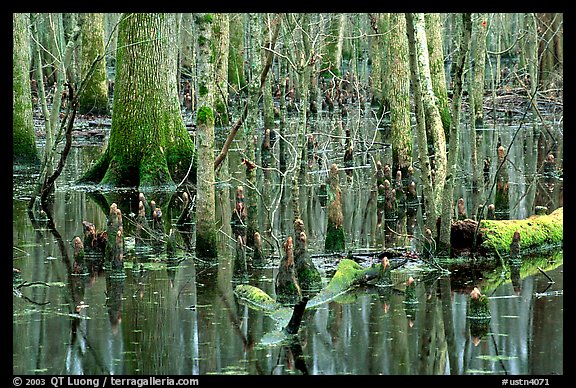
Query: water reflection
x=178, y=314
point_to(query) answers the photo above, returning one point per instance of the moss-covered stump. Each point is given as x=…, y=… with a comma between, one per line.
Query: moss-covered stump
x=479, y=306
x=495, y=236
x=287, y=286
x=308, y=275
x=258, y=258
x=334, y=240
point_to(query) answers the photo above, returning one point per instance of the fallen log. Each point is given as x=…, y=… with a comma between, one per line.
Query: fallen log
x=495, y=236
x=349, y=275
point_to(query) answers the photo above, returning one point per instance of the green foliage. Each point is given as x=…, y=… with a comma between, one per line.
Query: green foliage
x=205, y=116
x=202, y=90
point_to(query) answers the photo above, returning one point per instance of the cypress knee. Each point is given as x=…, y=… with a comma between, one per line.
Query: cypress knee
x=287, y=286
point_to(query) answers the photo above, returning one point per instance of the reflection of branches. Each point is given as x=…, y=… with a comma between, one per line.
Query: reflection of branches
x=16, y=291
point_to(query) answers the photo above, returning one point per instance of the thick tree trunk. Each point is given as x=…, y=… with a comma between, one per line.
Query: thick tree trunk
x=448, y=200
x=222, y=41
x=206, y=239
x=399, y=94
x=23, y=138
x=236, y=75
x=252, y=123
x=94, y=98
x=421, y=137
x=433, y=120
x=149, y=145
x=480, y=28
x=434, y=33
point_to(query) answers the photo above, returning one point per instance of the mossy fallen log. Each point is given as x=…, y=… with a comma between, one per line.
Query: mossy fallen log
x=348, y=276
x=495, y=236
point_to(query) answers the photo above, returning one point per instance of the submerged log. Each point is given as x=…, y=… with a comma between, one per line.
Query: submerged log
x=494, y=236
x=348, y=276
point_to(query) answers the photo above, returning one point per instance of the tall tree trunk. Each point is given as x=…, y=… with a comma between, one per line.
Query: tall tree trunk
x=433, y=120
x=399, y=94
x=236, y=75
x=222, y=44
x=448, y=196
x=480, y=30
x=530, y=55
x=252, y=122
x=426, y=174
x=23, y=139
x=434, y=33
x=94, y=99
x=342, y=21
x=149, y=145
x=267, y=96
x=377, y=58
x=206, y=241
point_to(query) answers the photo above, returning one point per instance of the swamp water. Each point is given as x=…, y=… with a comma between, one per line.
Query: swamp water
x=181, y=316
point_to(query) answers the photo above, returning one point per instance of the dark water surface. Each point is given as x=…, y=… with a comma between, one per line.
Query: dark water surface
x=181, y=316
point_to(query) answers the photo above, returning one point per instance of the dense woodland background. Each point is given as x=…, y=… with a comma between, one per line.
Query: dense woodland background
x=168, y=80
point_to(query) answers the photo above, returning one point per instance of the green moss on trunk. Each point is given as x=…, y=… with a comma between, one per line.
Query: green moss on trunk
x=334, y=241
x=206, y=243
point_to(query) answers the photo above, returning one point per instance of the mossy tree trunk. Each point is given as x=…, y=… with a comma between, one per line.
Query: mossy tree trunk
x=252, y=120
x=23, y=139
x=332, y=57
x=149, y=145
x=222, y=42
x=236, y=75
x=303, y=58
x=447, y=202
x=94, y=98
x=421, y=136
x=433, y=119
x=480, y=31
x=267, y=95
x=399, y=94
x=378, y=47
x=434, y=33
x=206, y=241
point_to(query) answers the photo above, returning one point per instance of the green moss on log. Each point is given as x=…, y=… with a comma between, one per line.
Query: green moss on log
x=256, y=298
x=205, y=116
x=534, y=231
x=348, y=275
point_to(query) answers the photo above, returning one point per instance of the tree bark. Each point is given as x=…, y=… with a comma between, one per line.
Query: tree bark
x=421, y=137
x=94, y=98
x=434, y=30
x=23, y=138
x=206, y=238
x=149, y=145
x=433, y=120
x=222, y=44
x=448, y=196
x=481, y=31
x=399, y=94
